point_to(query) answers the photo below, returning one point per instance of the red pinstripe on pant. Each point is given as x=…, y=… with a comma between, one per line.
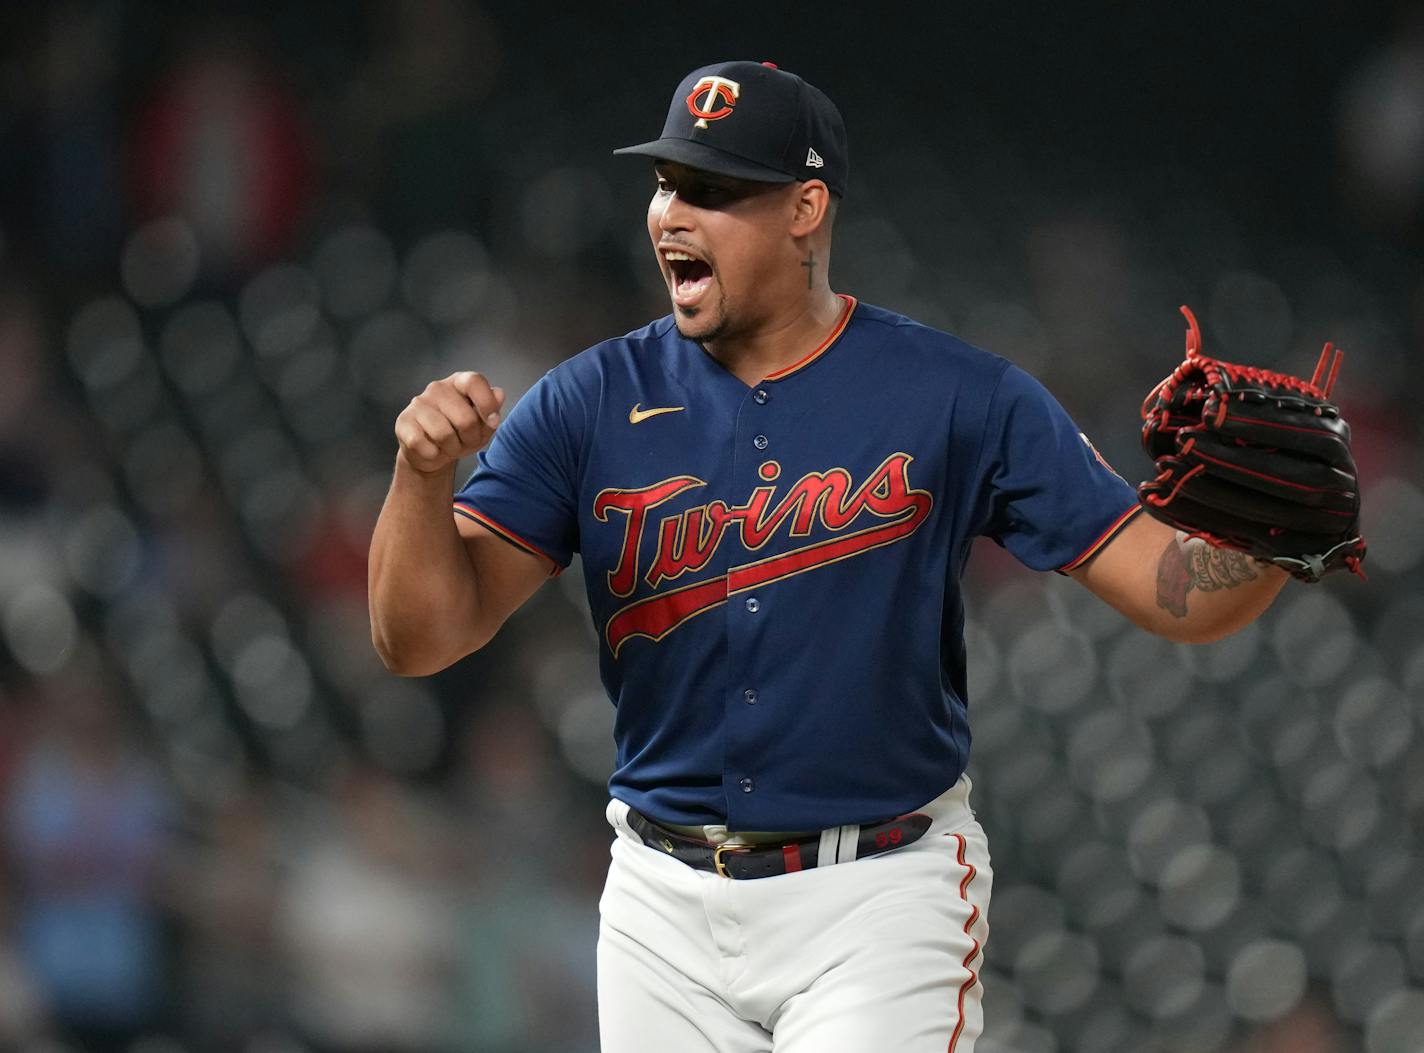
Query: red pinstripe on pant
x=969, y=873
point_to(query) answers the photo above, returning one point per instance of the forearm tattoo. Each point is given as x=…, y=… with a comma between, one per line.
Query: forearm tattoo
x=1194, y=564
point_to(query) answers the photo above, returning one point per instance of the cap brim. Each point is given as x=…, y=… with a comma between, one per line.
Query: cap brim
x=707, y=159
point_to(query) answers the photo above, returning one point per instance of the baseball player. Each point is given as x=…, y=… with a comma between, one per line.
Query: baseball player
x=774, y=490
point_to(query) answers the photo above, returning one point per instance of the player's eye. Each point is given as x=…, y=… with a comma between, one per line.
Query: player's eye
x=707, y=194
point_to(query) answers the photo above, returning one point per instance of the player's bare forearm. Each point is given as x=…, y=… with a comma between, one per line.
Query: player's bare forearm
x=422, y=591
x=1184, y=589
x=1219, y=590
x=438, y=588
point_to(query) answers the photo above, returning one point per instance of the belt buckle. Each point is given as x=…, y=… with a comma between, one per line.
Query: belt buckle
x=717, y=863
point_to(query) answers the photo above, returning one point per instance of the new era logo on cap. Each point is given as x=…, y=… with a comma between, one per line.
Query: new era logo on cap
x=750, y=120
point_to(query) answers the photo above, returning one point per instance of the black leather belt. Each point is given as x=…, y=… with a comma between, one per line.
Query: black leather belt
x=758, y=861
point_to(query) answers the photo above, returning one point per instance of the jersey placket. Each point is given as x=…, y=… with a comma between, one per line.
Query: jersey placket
x=749, y=612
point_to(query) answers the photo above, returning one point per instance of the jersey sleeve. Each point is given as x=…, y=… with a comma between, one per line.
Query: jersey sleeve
x=1053, y=500
x=525, y=483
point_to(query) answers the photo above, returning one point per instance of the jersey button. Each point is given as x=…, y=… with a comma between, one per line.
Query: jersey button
x=747, y=785
x=750, y=695
x=753, y=604
x=759, y=396
x=760, y=442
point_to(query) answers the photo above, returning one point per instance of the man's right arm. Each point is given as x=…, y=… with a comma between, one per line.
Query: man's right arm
x=440, y=585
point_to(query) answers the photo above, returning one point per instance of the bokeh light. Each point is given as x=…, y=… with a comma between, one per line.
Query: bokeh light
x=41, y=630
x=1266, y=980
x=1052, y=669
x=356, y=270
x=160, y=262
x=200, y=347
x=445, y=276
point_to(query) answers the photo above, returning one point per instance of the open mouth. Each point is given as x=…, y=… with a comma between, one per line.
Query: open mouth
x=690, y=277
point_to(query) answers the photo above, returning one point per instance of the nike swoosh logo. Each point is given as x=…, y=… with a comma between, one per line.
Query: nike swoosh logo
x=635, y=415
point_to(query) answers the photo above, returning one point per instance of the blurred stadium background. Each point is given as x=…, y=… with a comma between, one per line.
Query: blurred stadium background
x=236, y=238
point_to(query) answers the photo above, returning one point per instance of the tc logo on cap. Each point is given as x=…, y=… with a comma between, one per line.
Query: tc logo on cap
x=704, y=100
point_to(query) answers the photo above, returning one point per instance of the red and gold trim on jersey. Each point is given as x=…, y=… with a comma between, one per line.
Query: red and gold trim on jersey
x=824, y=345
x=1106, y=536
x=508, y=535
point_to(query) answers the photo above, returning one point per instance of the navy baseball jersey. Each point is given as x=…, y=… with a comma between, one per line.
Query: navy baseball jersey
x=774, y=570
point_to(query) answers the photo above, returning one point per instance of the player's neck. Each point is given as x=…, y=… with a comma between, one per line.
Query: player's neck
x=782, y=340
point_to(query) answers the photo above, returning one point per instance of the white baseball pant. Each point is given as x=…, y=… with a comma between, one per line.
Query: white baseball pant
x=874, y=954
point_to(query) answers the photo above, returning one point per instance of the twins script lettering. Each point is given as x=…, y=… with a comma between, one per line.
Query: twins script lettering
x=687, y=541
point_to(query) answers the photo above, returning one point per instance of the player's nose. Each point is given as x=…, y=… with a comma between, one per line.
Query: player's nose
x=676, y=214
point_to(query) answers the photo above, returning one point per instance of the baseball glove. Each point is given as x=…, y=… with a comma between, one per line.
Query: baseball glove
x=1254, y=460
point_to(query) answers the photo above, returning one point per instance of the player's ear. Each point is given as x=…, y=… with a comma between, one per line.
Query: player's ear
x=812, y=208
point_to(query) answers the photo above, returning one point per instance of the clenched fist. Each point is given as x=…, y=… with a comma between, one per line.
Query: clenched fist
x=450, y=419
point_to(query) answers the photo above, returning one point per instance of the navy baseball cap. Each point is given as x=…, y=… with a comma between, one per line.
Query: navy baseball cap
x=751, y=120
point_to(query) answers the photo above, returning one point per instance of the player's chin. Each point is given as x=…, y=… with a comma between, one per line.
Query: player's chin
x=696, y=323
